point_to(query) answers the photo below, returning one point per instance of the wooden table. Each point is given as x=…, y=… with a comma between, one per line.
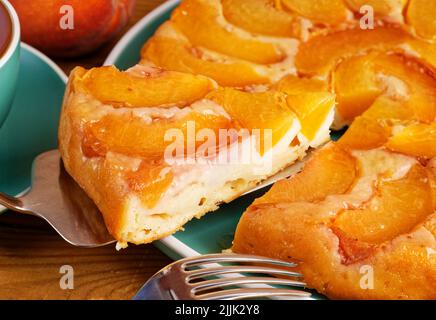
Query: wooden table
x=31, y=253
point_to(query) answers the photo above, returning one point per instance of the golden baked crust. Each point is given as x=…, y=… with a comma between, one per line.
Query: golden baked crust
x=109, y=197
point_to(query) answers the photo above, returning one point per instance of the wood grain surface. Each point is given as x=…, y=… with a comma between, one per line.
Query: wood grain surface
x=32, y=254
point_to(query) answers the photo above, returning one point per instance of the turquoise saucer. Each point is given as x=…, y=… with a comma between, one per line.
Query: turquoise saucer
x=31, y=126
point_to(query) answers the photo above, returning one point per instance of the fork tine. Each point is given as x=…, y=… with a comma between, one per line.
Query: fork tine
x=223, y=282
x=217, y=258
x=237, y=294
x=206, y=272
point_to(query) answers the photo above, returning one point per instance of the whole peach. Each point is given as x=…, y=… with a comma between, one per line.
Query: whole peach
x=71, y=28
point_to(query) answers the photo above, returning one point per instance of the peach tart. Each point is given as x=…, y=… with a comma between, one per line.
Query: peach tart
x=360, y=218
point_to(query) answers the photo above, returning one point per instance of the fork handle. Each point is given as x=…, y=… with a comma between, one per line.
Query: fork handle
x=12, y=203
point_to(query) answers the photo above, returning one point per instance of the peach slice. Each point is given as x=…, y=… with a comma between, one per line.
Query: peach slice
x=426, y=51
x=202, y=22
x=309, y=98
x=155, y=87
x=150, y=181
x=331, y=170
x=294, y=85
x=322, y=52
x=416, y=140
x=421, y=84
x=263, y=110
x=170, y=50
x=359, y=80
x=133, y=136
x=421, y=15
x=262, y=17
x=396, y=209
x=323, y=11
x=364, y=134
x=312, y=110
x=385, y=108
x=356, y=86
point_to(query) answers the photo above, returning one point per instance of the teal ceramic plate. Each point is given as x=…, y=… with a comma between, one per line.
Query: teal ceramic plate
x=31, y=126
x=214, y=232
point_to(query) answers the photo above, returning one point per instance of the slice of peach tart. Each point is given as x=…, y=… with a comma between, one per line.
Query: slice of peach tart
x=155, y=148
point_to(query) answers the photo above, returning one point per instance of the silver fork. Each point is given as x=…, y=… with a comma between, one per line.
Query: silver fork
x=189, y=279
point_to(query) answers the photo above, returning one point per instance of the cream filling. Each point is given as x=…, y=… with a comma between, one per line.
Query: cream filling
x=216, y=181
x=339, y=122
x=394, y=87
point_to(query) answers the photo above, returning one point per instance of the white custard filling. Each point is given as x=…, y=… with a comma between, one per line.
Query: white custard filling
x=216, y=181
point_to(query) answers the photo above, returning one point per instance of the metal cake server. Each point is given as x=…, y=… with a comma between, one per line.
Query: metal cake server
x=58, y=199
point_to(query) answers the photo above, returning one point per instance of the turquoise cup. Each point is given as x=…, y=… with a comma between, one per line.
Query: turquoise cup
x=9, y=64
